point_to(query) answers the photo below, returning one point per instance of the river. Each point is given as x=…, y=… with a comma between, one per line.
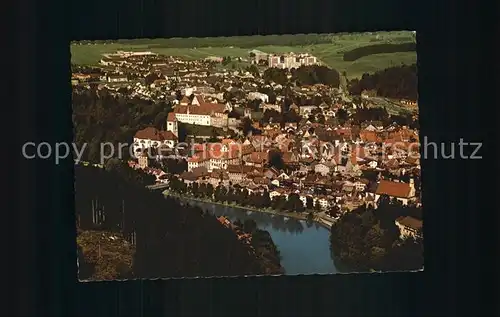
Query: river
x=304, y=247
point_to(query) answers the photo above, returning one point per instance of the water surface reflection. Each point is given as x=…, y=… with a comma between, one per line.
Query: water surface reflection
x=304, y=246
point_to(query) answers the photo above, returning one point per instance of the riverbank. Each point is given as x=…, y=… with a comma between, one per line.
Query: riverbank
x=322, y=222
x=260, y=243
x=267, y=252
x=304, y=246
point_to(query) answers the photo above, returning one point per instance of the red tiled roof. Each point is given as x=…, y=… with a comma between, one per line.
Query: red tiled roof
x=410, y=222
x=393, y=189
x=261, y=180
x=203, y=109
x=198, y=159
x=392, y=163
x=171, y=117
x=151, y=133
x=247, y=149
x=243, y=169
x=290, y=157
x=200, y=99
x=368, y=136
x=215, y=151
x=357, y=152
x=344, y=131
x=258, y=157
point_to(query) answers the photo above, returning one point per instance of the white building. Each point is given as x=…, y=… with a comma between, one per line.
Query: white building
x=117, y=78
x=189, y=115
x=200, y=112
x=266, y=106
x=274, y=193
x=151, y=137
x=305, y=111
x=409, y=227
x=214, y=156
x=323, y=202
x=291, y=60
x=258, y=95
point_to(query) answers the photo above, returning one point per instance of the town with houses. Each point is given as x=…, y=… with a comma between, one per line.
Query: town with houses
x=326, y=160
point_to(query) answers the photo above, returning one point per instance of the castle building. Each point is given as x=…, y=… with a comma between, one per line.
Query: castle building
x=199, y=112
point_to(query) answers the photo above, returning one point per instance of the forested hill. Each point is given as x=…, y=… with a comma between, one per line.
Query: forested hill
x=171, y=240
x=99, y=116
x=395, y=82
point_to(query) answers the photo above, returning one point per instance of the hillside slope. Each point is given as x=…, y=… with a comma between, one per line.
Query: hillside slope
x=171, y=240
x=104, y=256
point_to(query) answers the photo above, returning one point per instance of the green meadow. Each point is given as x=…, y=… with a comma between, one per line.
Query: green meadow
x=329, y=48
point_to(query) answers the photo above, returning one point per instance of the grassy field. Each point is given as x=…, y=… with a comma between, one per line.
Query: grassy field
x=329, y=50
x=392, y=106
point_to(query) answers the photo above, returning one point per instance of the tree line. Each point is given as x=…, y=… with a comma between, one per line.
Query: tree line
x=395, y=82
x=99, y=117
x=235, y=194
x=236, y=41
x=368, y=239
x=171, y=239
x=362, y=51
x=363, y=115
x=304, y=75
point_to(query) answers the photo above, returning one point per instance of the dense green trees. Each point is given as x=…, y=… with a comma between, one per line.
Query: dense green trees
x=394, y=82
x=174, y=166
x=366, y=239
x=309, y=202
x=273, y=116
x=277, y=75
x=249, y=42
x=240, y=196
x=371, y=114
x=171, y=239
x=100, y=117
x=263, y=244
x=362, y=51
x=293, y=203
x=304, y=75
x=246, y=126
x=278, y=203
x=316, y=74
x=342, y=116
x=254, y=70
x=363, y=115
x=276, y=159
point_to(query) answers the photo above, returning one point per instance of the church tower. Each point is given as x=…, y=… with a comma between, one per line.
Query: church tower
x=172, y=124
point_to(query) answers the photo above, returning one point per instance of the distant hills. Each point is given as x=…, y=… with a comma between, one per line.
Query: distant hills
x=329, y=48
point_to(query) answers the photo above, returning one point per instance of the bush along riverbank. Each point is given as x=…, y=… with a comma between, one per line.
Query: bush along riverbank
x=368, y=240
x=265, y=249
x=247, y=232
x=259, y=242
x=238, y=197
x=208, y=200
